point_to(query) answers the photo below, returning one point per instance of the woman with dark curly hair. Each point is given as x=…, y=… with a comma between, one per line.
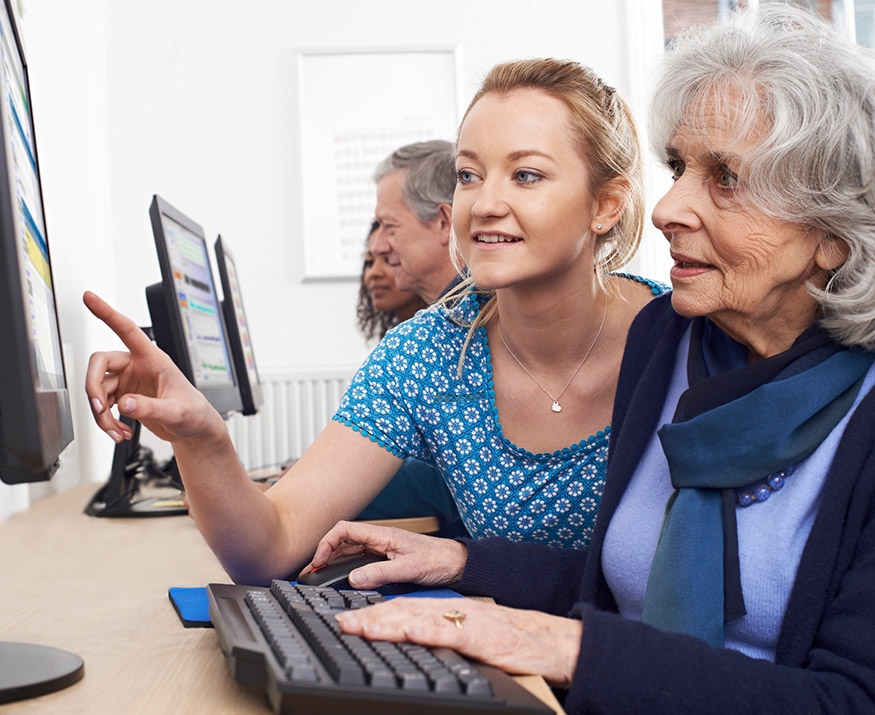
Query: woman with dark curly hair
x=381, y=304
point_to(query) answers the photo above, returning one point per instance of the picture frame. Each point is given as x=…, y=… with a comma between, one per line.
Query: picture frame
x=356, y=107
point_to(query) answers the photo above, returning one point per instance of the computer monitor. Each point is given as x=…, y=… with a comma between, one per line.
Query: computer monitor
x=187, y=324
x=239, y=336
x=186, y=315
x=35, y=418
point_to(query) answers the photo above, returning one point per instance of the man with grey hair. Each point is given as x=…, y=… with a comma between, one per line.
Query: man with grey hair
x=415, y=186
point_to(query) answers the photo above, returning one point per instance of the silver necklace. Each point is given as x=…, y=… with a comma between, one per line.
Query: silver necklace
x=556, y=407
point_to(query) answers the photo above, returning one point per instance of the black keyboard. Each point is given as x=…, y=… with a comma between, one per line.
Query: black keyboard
x=285, y=641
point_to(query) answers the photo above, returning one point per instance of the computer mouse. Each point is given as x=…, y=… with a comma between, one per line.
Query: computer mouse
x=336, y=573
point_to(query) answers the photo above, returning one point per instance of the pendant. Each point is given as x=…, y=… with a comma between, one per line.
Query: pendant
x=556, y=406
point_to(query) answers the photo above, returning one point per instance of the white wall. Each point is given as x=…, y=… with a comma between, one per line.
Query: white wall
x=195, y=100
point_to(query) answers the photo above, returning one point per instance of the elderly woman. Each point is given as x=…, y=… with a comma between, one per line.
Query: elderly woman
x=733, y=563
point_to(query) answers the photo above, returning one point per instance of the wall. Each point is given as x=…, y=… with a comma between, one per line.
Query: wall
x=202, y=109
x=195, y=100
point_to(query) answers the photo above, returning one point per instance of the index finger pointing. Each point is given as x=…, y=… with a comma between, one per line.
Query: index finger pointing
x=130, y=333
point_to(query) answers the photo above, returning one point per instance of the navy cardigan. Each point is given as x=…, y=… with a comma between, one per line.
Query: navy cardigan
x=825, y=659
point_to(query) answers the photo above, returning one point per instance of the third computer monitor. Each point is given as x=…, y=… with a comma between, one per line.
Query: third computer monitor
x=238, y=329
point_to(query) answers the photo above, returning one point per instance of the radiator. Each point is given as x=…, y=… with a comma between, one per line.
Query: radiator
x=296, y=406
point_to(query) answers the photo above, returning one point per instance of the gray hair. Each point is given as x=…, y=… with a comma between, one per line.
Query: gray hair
x=431, y=175
x=814, y=164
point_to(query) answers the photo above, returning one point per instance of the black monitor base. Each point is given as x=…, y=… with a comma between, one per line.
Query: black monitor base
x=136, y=507
x=28, y=671
x=133, y=466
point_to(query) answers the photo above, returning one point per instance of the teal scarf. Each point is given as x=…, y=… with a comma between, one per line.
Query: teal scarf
x=735, y=424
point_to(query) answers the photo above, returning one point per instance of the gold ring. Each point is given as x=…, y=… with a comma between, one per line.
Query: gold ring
x=455, y=616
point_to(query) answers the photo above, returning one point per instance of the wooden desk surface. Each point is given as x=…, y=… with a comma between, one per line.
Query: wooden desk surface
x=98, y=587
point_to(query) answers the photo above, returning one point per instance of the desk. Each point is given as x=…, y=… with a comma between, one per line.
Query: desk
x=98, y=587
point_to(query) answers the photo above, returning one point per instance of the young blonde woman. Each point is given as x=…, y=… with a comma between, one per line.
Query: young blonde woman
x=507, y=390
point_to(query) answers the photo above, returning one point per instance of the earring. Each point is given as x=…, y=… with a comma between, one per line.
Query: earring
x=598, y=227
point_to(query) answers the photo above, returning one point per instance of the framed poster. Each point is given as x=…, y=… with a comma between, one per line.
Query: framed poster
x=356, y=107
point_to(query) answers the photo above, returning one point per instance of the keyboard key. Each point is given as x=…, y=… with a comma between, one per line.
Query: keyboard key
x=413, y=680
x=303, y=673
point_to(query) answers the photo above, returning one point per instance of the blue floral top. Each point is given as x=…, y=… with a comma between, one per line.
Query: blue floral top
x=409, y=398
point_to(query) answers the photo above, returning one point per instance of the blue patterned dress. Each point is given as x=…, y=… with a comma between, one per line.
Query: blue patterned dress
x=408, y=398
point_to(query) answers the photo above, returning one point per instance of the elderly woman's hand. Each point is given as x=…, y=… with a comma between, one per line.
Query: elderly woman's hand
x=517, y=641
x=412, y=557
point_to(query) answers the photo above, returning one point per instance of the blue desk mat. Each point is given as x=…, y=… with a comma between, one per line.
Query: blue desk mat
x=192, y=604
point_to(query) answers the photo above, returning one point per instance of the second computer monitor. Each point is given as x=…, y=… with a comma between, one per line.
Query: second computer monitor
x=238, y=330
x=186, y=316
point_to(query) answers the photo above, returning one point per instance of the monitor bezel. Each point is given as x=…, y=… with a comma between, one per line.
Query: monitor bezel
x=166, y=320
x=36, y=424
x=250, y=393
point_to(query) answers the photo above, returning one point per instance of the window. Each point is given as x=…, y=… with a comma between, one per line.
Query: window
x=854, y=17
x=864, y=22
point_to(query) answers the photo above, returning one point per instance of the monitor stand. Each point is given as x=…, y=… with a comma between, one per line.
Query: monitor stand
x=132, y=466
x=27, y=671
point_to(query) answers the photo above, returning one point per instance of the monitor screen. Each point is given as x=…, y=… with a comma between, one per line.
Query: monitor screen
x=186, y=316
x=36, y=422
x=238, y=329
x=35, y=418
